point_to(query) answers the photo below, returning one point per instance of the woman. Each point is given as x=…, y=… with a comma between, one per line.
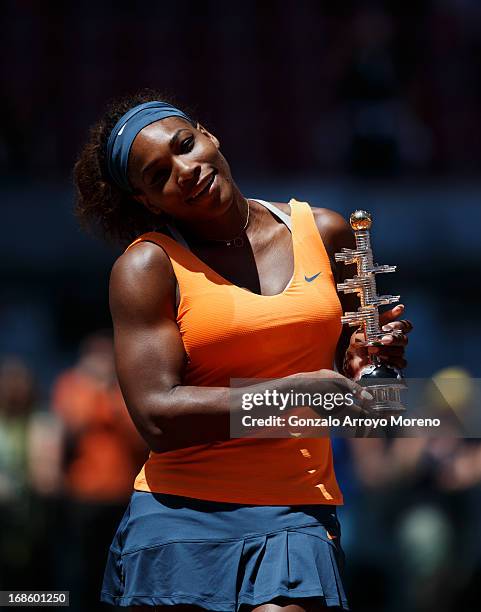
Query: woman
x=216, y=287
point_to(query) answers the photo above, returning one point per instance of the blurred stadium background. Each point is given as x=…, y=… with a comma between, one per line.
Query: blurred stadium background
x=371, y=104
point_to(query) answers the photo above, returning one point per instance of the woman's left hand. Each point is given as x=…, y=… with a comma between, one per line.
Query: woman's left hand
x=394, y=343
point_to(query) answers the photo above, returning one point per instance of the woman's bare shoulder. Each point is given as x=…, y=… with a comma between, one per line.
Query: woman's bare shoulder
x=142, y=278
x=335, y=231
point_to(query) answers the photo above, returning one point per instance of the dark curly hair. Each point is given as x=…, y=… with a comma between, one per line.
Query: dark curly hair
x=100, y=205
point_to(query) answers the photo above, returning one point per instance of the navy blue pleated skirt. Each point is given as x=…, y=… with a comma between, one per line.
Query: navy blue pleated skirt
x=170, y=550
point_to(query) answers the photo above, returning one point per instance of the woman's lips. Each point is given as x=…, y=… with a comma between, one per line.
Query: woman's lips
x=205, y=189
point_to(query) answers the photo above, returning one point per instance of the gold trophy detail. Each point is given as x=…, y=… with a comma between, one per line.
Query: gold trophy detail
x=384, y=381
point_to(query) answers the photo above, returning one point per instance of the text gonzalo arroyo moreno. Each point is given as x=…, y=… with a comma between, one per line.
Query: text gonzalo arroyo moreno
x=324, y=401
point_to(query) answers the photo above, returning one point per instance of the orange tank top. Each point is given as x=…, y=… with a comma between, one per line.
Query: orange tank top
x=229, y=332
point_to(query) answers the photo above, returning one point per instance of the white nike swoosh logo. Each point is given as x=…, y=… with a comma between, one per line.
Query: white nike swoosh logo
x=121, y=130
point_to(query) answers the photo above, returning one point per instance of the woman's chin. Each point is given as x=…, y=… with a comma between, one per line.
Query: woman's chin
x=219, y=201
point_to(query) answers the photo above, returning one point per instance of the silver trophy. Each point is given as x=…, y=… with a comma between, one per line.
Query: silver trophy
x=384, y=381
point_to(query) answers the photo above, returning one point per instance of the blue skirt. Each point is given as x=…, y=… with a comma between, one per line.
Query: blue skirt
x=171, y=550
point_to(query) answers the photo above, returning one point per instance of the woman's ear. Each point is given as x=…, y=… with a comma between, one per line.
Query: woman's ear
x=202, y=129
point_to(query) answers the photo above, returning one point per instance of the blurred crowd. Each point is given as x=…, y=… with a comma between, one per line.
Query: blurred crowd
x=66, y=473
x=411, y=526
x=367, y=87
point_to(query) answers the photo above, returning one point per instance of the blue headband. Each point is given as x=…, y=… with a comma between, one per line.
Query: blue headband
x=126, y=129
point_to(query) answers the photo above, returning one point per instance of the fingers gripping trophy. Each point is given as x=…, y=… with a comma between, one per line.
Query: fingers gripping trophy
x=384, y=381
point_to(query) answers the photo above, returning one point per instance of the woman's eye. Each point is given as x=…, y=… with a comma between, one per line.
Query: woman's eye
x=187, y=144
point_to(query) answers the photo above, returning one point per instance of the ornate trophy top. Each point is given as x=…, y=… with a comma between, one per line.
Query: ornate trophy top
x=360, y=220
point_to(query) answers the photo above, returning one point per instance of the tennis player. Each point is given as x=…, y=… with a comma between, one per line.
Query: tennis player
x=215, y=286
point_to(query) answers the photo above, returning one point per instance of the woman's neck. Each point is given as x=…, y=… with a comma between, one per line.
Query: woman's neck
x=231, y=224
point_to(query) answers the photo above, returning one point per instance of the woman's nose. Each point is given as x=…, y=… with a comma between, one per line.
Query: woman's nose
x=187, y=171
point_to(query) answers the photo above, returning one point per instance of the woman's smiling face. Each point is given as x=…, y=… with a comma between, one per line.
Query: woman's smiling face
x=178, y=169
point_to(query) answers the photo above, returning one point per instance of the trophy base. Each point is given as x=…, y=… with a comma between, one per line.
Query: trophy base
x=385, y=383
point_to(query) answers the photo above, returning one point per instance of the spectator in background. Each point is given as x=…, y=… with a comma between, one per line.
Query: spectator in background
x=416, y=537
x=102, y=455
x=18, y=401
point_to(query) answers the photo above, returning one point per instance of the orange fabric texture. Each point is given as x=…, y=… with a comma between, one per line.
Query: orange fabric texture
x=229, y=332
